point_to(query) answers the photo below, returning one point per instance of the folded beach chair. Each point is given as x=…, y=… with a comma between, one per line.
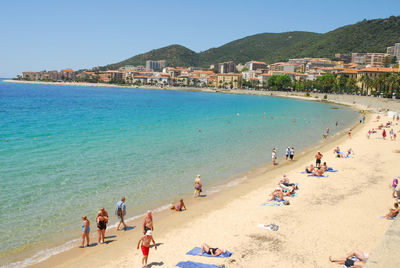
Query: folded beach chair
x=192, y=264
x=196, y=252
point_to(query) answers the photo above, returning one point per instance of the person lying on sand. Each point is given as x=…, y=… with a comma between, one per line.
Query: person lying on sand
x=310, y=169
x=347, y=261
x=209, y=250
x=180, y=207
x=319, y=172
x=393, y=212
x=277, y=195
x=285, y=184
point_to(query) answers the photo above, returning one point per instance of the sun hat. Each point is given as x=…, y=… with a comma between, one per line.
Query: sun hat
x=148, y=232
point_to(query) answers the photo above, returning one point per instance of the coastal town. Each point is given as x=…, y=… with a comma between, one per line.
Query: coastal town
x=361, y=73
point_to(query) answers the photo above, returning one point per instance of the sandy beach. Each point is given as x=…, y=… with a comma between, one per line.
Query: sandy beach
x=330, y=216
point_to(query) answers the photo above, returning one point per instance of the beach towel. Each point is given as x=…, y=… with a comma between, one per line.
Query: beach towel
x=313, y=175
x=272, y=204
x=332, y=170
x=383, y=217
x=192, y=264
x=352, y=258
x=196, y=252
x=272, y=227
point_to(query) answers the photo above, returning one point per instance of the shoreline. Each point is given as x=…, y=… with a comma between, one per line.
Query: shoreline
x=166, y=220
x=163, y=211
x=253, y=174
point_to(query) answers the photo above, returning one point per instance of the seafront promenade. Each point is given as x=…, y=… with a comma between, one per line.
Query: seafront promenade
x=330, y=216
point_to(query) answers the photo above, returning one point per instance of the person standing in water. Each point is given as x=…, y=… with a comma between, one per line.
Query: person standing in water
x=198, y=186
x=273, y=156
x=85, y=231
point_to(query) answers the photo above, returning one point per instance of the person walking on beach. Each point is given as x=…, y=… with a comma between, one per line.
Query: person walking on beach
x=101, y=226
x=287, y=152
x=145, y=240
x=292, y=153
x=148, y=222
x=349, y=133
x=85, y=231
x=273, y=156
x=384, y=134
x=318, y=157
x=120, y=211
x=197, y=186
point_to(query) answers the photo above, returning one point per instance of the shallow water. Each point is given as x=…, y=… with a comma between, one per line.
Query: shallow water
x=66, y=151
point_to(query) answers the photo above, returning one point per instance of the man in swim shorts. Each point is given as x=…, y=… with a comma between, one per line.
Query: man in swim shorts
x=145, y=240
x=318, y=157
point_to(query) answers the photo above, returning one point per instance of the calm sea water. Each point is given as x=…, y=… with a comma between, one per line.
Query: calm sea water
x=66, y=151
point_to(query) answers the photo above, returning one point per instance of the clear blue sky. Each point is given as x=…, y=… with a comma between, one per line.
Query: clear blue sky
x=50, y=34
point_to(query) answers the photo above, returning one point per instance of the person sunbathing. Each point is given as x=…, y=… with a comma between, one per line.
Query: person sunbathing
x=349, y=152
x=324, y=167
x=209, y=250
x=285, y=184
x=277, y=195
x=310, y=169
x=319, y=172
x=336, y=150
x=180, y=207
x=393, y=212
x=347, y=261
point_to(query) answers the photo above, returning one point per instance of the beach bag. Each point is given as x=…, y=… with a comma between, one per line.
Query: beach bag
x=119, y=211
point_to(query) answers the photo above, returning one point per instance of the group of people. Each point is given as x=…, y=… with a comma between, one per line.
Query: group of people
x=393, y=212
x=340, y=154
x=284, y=188
x=289, y=154
x=101, y=221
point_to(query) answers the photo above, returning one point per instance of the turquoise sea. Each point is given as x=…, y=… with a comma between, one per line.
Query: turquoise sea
x=66, y=151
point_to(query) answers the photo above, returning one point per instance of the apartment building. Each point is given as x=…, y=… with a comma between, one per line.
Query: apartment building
x=229, y=80
x=156, y=65
x=256, y=65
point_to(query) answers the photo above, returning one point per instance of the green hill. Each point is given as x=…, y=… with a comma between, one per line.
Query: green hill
x=365, y=36
x=176, y=55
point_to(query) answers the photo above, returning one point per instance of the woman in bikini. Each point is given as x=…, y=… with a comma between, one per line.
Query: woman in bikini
x=85, y=231
x=179, y=207
x=212, y=251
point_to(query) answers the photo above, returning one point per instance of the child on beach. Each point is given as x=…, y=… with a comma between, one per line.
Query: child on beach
x=145, y=240
x=85, y=231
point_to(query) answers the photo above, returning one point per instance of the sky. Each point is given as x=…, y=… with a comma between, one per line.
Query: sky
x=53, y=35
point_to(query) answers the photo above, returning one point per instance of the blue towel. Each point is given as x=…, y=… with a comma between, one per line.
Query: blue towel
x=272, y=204
x=332, y=170
x=192, y=264
x=323, y=176
x=196, y=252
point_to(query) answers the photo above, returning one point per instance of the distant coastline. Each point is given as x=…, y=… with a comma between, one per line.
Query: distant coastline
x=360, y=102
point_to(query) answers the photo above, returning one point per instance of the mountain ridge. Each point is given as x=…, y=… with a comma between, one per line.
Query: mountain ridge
x=364, y=36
